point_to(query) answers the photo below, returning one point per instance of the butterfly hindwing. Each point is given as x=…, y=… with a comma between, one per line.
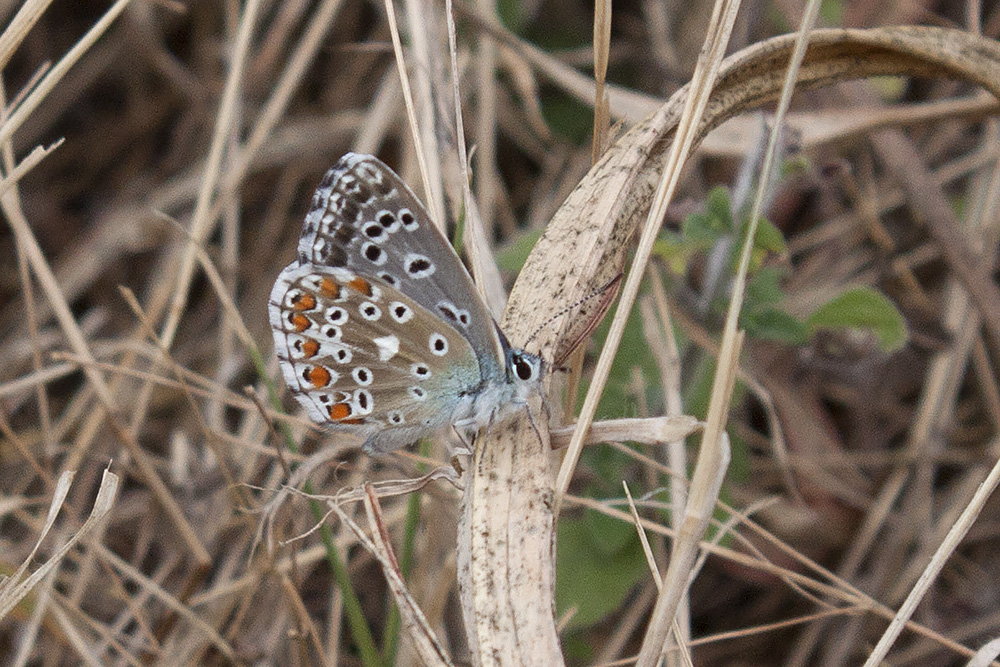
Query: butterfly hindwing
x=364, y=218
x=360, y=355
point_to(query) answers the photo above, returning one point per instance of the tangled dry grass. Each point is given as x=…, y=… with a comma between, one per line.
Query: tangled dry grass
x=180, y=144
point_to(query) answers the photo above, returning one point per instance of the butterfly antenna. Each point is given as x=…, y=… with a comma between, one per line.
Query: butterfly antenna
x=608, y=291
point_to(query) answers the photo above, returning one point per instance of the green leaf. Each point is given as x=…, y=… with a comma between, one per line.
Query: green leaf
x=863, y=308
x=698, y=388
x=794, y=165
x=776, y=325
x=764, y=289
x=511, y=14
x=675, y=251
x=762, y=316
x=566, y=116
x=720, y=206
x=598, y=563
x=832, y=12
x=890, y=88
x=769, y=238
x=617, y=398
x=699, y=227
x=705, y=228
x=609, y=535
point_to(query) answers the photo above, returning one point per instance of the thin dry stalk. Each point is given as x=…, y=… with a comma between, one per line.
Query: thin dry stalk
x=602, y=47
x=31, y=103
x=16, y=586
x=927, y=577
x=428, y=647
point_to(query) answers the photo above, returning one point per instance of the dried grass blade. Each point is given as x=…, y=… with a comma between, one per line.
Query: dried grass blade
x=19, y=27
x=483, y=264
x=13, y=589
x=706, y=72
x=644, y=430
x=169, y=600
x=201, y=218
x=929, y=575
x=602, y=49
x=425, y=642
x=713, y=455
x=55, y=75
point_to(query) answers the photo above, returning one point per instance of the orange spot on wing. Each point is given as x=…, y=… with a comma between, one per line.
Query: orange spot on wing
x=351, y=421
x=340, y=411
x=309, y=348
x=361, y=285
x=318, y=376
x=300, y=322
x=329, y=288
x=304, y=301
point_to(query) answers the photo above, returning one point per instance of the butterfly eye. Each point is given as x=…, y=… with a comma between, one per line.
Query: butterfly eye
x=523, y=369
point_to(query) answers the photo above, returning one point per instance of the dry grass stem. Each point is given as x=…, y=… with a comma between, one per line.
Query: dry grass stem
x=17, y=585
x=930, y=573
x=644, y=430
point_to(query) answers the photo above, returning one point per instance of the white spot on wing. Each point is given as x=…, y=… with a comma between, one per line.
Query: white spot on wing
x=408, y=219
x=363, y=401
x=370, y=311
x=388, y=347
x=400, y=312
x=418, y=266
x=362, y=376
x=438, y=345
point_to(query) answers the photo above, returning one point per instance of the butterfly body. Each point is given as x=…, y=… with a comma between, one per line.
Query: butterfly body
x=378, y=327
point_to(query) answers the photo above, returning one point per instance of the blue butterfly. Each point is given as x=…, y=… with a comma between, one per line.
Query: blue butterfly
x=377, y=325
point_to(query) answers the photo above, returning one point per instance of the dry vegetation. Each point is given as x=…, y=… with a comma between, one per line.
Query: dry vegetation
x=138, y=255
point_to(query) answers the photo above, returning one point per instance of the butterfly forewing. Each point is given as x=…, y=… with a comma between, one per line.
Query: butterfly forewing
x=364, y=218
x=359, y=354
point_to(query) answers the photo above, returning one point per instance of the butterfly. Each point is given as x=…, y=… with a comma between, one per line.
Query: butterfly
x=378, y=328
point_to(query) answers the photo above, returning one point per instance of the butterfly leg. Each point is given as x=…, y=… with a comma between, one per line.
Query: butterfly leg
x=462, y=444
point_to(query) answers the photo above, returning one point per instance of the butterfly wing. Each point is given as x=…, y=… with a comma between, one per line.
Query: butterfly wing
x=362, y=356
x=364, y=218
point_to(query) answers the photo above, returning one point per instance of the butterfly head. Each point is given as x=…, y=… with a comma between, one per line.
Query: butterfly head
x=524, y=370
